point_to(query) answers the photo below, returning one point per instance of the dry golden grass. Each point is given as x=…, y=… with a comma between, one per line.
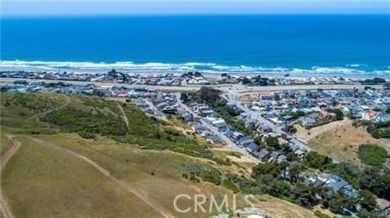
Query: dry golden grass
x=340, y=140
x=41, y=182
x=158, y=174
x=44, y=182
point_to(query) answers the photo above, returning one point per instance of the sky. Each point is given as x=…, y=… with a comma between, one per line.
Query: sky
x=32, y=8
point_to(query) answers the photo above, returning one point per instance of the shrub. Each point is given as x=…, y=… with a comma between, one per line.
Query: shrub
x=230, y=185
x=372, y=154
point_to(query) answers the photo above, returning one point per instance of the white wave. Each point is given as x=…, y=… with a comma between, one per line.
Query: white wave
x=356, y=65
x=179, y=67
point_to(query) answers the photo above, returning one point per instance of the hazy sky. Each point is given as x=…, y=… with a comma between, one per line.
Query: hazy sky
x=144, y=7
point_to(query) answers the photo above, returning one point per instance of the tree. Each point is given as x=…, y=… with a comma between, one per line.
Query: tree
x=376, y=182
x=339, y=203
x=225, y=75
x=316, y=160
x=304, y=195
x=283, y=166
x=294, y=171
x=209, y=95
x=280, y=188
x=367, y=200
x=258, y=140
x=272, y=169
x=386, y=86
x=184, y=97
x=272, y=142
x=246, y=81
x=339, y=114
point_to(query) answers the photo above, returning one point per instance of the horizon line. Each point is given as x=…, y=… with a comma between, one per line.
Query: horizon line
x=197, y=14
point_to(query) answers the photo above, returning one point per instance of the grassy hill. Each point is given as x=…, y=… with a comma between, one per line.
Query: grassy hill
x=89, y=157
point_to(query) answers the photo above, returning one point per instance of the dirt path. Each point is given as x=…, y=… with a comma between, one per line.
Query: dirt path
x=128, y=187
x=4, y=207
x=35, y=116
x=124, y=115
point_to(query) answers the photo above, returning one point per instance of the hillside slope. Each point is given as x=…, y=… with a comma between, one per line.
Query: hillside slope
x=79, y=157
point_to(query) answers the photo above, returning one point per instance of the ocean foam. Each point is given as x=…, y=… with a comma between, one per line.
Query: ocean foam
x=352, y=69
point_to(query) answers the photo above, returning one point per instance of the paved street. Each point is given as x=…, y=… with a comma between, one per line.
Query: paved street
x=214, y=130
x=231, y=97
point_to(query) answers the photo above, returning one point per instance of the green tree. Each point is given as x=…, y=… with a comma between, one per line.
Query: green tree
x=367, y=200
x=316, y=160
x=272, y=142
x=339, y=202
x=261, y=169
x=304, y=195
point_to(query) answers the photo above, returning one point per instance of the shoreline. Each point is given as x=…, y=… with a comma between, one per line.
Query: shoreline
x=211, y=70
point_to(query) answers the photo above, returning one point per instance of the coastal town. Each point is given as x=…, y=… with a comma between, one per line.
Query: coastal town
x=260, y=125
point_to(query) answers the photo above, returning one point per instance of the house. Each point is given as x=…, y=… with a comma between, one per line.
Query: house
x=219, y=123
x=308, y=122
x=307, y=178
x=187, y=117
x=199, y=128
x=273, y=156
x=382, y=117
x=293, y=146
x=252, y=147
x=20, y=82
x=369, y=116
x=299, y=153
x=355, y=114
x=213, y=139
x=281, y=158
x=245, y=141
x=237, y=135
x=208, y=113
x=264, y=154
x=169, y=110
x=325, y=115
x=350, y=191
x=335, y=183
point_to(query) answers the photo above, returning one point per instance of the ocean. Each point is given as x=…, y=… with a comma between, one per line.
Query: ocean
x=242, y=43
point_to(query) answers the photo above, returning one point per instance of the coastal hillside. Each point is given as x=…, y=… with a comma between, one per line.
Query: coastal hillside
x=82, y=156
x=340, y=140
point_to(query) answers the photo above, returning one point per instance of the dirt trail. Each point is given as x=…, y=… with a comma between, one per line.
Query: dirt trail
x=128, y=187
x=124, y=115
x=4, y=207
x=35, y=116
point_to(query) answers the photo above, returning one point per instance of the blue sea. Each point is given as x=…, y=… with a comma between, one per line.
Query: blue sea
x=280, y=43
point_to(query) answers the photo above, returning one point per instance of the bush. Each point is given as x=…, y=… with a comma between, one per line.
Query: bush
x=318, y=213
x=230, y=185
x=372, y=154
x=87, y=135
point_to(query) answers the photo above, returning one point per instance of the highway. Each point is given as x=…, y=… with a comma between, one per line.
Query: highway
x=226, y=88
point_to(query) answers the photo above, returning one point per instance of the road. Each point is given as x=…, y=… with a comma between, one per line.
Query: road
x=275, y=128
x=241, y=89
x=157, y=112
x=214, y=130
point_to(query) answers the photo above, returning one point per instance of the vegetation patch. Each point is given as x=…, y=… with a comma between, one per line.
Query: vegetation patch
x=372, y=154
x=197, y=170
x=230, y=185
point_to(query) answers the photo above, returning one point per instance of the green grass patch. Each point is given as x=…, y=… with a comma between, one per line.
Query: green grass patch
x=231, y=186
x=372, y=154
